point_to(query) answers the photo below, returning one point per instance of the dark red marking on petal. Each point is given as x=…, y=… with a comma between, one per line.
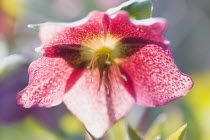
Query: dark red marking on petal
x=105, y=24
x=156, y=78
x=98, y=111
x=74, y=55
x=47, y=83
x=94, y=29
x=149, y=30
x=76, y=74
x=79, y=33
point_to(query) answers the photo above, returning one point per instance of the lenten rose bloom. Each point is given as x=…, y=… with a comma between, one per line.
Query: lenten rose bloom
x=100, y=66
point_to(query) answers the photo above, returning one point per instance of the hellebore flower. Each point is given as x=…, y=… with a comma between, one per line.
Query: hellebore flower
x=100, y=66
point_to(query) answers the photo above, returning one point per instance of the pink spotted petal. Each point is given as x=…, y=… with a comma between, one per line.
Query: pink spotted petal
x=98, y=111
x=97, y=26
x=155, y=76
x=76, y=33
x=147, y=31
x=47, y=83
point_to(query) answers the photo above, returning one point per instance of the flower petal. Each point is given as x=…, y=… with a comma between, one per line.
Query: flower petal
x=97, y=26
x=155, y=76
x=98, y=111
x=47, y=83
x=78, y=33
x=147, y=31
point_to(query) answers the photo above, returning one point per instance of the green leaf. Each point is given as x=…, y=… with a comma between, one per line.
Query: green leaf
x=156, y=128
x=179, y=134
x=138, y=9
x=133, y=134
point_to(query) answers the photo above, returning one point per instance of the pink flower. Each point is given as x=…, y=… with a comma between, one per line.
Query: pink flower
x=100, y=66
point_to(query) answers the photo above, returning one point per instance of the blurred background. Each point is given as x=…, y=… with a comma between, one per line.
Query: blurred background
x=188, y=31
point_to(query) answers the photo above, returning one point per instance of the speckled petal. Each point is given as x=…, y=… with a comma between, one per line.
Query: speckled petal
x=98, y=28
x=143, y=31
x=47, y=83
x=155, y=76
x=75, y=33
x=98, y=111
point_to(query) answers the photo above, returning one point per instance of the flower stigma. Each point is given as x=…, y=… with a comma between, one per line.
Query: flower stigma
x=102, y=59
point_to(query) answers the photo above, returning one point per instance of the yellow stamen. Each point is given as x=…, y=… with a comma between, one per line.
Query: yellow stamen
x=103, y=61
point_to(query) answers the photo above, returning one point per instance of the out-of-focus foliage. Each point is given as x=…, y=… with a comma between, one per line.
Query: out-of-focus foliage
x=71, y=127
x=138, y=9
x=10, y=10
x=119, y=131
x=10, y=63
x=3, y=49
x=198, y=102
x=179, y=134
x=133, y=135
x=28, y=129
x=156, y=128
x=12, y=7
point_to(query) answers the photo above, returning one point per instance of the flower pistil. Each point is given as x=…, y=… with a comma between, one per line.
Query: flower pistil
x=102, y=59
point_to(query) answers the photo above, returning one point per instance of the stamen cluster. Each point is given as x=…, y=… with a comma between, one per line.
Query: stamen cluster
x=102, y=59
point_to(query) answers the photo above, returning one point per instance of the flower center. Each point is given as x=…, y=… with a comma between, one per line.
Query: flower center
x=102, y=60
